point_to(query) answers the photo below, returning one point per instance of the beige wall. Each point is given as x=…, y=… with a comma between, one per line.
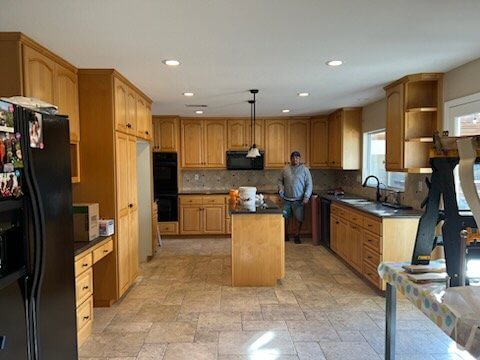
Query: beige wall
x=374, y=116
x=462, y=81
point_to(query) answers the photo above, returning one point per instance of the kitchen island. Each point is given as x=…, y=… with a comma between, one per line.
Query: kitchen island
x=258, y=245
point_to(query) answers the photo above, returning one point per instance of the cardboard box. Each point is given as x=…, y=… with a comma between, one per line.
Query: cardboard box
x=85, y=222
x=106, y=226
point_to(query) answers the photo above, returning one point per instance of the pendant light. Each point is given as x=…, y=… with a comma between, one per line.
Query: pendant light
x=253, y=152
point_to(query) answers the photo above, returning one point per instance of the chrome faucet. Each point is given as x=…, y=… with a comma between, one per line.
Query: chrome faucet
x=379, y=197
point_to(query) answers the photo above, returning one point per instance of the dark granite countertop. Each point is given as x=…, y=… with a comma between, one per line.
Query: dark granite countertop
x=268, y=207
x=372, y=207
x=225, y=191
x=81, y=246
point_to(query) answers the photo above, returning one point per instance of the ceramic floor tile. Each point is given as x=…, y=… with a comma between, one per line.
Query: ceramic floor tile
x=264, y=325
x=191, y=351
x=282, y=312
x=355, y=320
x=112, y=345
x=309, y=351
x=255, y=343
x=152, y=352
x=312, y=330
x=169, y=332
x=220, y=321
x=348, y=351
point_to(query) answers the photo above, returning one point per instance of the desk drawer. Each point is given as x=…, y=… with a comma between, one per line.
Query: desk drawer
x=84, y=286
x=190, y=200
x=85, y=314
x=83, y=264
x=373, y=241
x=372, y=225
x=208, y=200
x=372, y=257
x=102, y=251
x=168, y=228
x=355, y=218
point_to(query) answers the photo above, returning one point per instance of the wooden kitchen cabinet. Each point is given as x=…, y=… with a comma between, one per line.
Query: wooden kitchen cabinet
x=344, y=139
x=202, y=214
x=111, y=180
x=144, y=119
x=414, y=112
x=29, y=69
x=239, y=134
x=166, y=134
x=319, y=142
x=282, y=136
x=203, y=143
x=364, y=240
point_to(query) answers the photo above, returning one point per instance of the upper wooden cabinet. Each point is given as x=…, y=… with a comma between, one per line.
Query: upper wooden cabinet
x=166, y=134
x=132, y=109
x=203, y=143
x=319, y=142
x=239, y=134
x=29, y=69
x=282, y=136
x=414, y=112
x=344, y=139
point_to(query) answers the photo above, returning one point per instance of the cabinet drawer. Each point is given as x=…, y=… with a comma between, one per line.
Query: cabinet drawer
x=168, y=228
x=188, y=200
x=370, y=272
x=334, y=210
x=343, y=212
x=102, y=251
x=84, y=286
x=85, y=314
x=372, y=225
x=207, y=200
x=355, y=218
x=372, y=241
x=372, y=257
x=84, y=263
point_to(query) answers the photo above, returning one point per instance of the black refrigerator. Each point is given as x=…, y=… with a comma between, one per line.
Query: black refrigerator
x=37, y=282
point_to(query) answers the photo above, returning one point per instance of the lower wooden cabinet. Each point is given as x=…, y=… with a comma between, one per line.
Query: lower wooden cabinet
x=202, y=214
x=168, y=227
x=364, y=241
x=84, y=275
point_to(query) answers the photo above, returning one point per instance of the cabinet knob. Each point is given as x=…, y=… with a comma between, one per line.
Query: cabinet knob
x=130, y=205
x=85, y=287
x=129, y=125
x=84, y=265
x=105, y=251
x=86, y=317
x=336, y=222
x=146, y=132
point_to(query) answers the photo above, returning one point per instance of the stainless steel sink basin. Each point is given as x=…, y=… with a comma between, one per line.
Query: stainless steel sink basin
x=359, y=202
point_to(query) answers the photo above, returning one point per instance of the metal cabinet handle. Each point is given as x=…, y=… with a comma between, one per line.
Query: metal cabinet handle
x=86, y=317
x=105, y=251
x=85, y=287
x=84, y=265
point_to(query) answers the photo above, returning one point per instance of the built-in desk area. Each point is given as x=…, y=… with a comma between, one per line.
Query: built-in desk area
x=87, y=254
x=258, y=245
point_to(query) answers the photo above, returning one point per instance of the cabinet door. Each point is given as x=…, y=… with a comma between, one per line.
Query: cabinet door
x=355, y=244
x=122, y=176
x=192, y=144
x=66, y=94
x=342, y=239
x=141, y=117
x=275, y=144
x=123, y=250
x=237, y=135
x=334, y=139
x=132, y=173
x=120, y=91
x=319, y=143
x=334, y=229
x=166, y=134
x=190, y=220
x=259, y=133
x=131, y=112
x=214, y=219
x=148, y=122
x=133, y=245
x=215, y=143
x=299, y=139
x=39, y=75
x=394, y=128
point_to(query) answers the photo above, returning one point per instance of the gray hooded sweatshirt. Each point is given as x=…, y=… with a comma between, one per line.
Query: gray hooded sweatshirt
x=295, y=182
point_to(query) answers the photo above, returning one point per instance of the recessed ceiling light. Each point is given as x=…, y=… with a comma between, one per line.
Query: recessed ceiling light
x=334, y=62
x=188, y=94
x=285, y=111
x=171, y=62
x=199, y=112
x=303, y=94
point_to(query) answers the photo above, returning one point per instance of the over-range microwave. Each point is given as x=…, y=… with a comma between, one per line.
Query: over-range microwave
x=237, y=160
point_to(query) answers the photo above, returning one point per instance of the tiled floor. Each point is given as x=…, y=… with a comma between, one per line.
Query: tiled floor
x=182, y=307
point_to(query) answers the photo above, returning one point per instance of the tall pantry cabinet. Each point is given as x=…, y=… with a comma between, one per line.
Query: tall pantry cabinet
x=108, y=104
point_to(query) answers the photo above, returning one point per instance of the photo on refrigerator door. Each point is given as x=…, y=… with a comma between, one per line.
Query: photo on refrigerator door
x=6, y=117
x=9, y=185
x=10, y=152
x=35, y=131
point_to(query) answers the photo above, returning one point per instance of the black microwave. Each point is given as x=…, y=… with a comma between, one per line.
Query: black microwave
x=237, y=160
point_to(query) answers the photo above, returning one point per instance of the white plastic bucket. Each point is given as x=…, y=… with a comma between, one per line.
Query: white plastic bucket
x=247, y=194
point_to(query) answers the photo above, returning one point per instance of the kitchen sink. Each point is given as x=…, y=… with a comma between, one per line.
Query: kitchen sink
x=358, y=201
x=395, y=206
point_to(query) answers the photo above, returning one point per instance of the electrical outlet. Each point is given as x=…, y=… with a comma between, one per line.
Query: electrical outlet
x=196, y=177
x=420, y=186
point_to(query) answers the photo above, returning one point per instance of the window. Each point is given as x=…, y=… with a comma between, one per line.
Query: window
x=463, y=119
x=374, y=162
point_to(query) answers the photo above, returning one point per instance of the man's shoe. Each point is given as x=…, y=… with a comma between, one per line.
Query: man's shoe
x=297, y=240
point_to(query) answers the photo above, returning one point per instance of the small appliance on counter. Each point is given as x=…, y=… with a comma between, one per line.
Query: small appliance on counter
x=106, y=227
x=85, y=222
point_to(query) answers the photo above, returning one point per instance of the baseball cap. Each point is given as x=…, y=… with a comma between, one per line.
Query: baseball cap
x=295, y=153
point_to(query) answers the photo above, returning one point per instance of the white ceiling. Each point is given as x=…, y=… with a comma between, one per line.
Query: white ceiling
x=278, y=46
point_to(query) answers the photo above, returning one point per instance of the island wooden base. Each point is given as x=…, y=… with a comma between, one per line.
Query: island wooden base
x=258, y=249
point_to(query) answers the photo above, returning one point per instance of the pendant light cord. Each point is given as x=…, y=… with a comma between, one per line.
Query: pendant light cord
x=254, y=105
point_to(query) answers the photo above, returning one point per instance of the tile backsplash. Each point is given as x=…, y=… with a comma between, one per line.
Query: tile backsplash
x=265, y=180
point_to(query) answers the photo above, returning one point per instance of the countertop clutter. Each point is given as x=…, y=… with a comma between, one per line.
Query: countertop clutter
x=371, y=207
x=267, y=207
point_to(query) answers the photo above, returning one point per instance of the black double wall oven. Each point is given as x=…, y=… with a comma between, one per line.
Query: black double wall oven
x=165, y=187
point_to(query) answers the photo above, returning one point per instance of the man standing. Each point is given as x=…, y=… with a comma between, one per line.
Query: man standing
x=295, y=188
